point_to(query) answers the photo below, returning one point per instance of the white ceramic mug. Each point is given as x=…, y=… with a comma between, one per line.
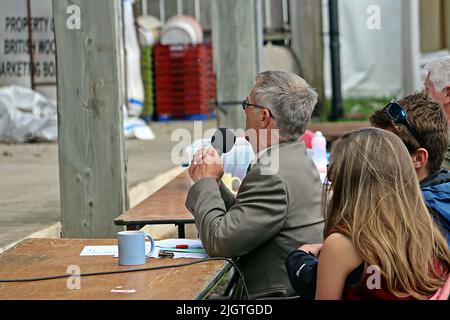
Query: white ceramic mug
x=132, y=247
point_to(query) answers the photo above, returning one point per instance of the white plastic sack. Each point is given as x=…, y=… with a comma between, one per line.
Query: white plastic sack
x=135, y=127
x=26, y=115
x=135, y=87
x=149, y=30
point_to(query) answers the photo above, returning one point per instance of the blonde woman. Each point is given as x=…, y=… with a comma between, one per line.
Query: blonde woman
x=380, y=241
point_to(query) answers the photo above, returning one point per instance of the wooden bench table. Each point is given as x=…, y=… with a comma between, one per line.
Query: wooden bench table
x=49, y=257
x=165, y=206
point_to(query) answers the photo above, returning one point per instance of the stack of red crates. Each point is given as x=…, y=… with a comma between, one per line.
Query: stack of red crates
x=185, y=83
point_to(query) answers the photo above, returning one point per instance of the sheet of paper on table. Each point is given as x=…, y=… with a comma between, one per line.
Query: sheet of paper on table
x=159, y=245
x=172, y=243
x=99, y=251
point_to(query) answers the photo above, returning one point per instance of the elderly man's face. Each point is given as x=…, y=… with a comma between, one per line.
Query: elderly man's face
x=252, y=123
x=261, y=128
x=251, y=114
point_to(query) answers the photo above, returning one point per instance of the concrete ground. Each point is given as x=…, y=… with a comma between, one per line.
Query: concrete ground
x=29, y=184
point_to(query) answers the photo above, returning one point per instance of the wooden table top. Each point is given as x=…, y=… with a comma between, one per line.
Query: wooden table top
x=165, y=206
x=48, y=257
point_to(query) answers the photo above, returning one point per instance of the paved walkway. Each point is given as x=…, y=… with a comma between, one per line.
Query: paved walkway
x=29, y=183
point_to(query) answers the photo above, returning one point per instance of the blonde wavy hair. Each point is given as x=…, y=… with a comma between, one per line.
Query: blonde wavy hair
x=376, y=201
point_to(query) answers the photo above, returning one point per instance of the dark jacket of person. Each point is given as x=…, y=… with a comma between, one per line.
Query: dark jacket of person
x=436, y=193
x=277, y=209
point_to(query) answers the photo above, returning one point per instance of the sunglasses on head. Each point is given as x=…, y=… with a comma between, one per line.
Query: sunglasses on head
x=398, y=114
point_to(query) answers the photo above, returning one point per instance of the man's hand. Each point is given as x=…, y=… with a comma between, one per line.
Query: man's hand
x=313, y=248
x=206, y=164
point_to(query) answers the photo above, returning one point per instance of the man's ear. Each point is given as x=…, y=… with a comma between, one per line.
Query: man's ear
x=420, y=159
x=447, y=96
x=265, y=118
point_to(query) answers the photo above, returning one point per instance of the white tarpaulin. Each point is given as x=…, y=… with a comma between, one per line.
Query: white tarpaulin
x=372, y=61
x=373, y=43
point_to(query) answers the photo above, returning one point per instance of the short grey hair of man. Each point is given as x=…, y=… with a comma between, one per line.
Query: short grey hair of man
x=439, y=72
x=290, y=99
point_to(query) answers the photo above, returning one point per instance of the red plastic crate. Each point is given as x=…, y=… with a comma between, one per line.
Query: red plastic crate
x=184, y=79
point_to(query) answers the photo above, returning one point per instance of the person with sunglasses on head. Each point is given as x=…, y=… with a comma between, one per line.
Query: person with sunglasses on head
x=278, y=205
x=422, y=126
x=380, y=242
x=437, y=89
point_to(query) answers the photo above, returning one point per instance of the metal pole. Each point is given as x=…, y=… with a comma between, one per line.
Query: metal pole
x=30, y=43
x=162, y=11
x=411, y=46
x=144, y=7
x=268, y=14
x=337, y=110
x=197, y=10
x=286, y=22
x=285, y=7
x=179, y=7
x=259, y=29
x=125, y=53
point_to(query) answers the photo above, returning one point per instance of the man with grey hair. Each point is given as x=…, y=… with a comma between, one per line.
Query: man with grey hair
x=437, y=85
x=278, y=206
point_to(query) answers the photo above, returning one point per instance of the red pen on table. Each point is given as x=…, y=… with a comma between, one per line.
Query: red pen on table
x=182, y=246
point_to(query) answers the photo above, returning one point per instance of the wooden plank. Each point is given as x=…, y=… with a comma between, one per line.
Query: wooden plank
x=49, y=257
x=165, y=206
x=235, y=56
x=90, y=95
x=307, y=43
x=430, y=25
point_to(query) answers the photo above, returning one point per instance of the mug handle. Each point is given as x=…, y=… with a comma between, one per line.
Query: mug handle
x=152, y=246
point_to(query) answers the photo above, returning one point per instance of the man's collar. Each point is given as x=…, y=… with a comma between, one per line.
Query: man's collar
x=264, y=151
x=260, y=154
x=439, y=177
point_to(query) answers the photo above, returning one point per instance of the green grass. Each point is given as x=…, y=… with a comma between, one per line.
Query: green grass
x=355, y=109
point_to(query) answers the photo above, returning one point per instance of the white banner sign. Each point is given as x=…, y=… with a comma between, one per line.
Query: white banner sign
x=15, y=66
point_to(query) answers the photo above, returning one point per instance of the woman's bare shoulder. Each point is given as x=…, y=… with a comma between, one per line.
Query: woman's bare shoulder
x=340, y=248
